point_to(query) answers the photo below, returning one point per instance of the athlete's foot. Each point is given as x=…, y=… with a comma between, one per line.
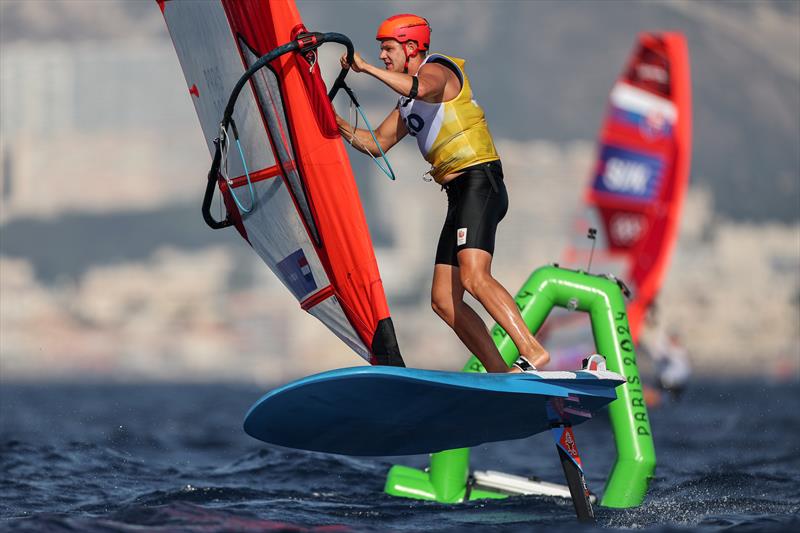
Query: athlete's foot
x=538, y=360
x=522, y=365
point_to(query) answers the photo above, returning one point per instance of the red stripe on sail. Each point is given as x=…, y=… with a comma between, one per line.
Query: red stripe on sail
x=317, y=298
x=260, y=175
x=345, y=248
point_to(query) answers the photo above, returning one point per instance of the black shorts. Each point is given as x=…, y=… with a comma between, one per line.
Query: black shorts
x=476, y=202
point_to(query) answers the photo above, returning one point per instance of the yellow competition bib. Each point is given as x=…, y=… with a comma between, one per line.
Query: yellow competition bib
x=451, y=135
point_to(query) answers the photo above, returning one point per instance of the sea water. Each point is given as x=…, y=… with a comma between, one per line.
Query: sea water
x=122, y=457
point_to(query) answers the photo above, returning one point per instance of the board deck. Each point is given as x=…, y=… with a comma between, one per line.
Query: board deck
x=380, y=410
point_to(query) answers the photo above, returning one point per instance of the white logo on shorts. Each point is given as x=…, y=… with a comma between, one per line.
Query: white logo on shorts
x=461, y=236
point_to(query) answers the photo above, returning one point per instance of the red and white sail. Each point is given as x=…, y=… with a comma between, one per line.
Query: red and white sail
x=307, y=222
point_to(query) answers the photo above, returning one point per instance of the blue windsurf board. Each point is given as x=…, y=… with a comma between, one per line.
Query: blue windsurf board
x=382, y=410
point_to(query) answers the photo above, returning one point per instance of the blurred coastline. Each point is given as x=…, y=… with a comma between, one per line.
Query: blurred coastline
x=107, y=271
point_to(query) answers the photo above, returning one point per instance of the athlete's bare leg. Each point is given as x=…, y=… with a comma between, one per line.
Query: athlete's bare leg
x=475, y=276
x=447, y=300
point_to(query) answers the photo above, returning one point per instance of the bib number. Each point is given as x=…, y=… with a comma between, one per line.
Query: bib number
x=414, y=124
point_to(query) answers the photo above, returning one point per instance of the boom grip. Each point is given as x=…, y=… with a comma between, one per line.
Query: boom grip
x=260, y=63
x=348, y=44
x=304, y=43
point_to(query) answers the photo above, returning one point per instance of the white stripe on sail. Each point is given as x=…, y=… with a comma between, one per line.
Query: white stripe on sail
x=635, y=100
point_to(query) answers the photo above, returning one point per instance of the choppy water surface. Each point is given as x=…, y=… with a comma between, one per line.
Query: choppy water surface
x=174, y=457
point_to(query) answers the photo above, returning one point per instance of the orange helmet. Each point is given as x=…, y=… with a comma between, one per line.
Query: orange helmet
x=406, y=27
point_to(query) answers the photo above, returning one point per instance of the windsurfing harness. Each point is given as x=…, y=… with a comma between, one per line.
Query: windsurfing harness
x=289, y=189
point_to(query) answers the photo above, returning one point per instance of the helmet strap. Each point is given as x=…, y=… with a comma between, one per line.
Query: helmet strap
x=408, y=57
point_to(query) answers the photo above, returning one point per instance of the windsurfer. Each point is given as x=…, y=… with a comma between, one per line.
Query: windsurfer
x=436, y=106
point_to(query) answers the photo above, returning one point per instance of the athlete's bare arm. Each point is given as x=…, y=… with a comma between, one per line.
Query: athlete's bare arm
x=436, y=83
x=389, y=133
x=433, y=79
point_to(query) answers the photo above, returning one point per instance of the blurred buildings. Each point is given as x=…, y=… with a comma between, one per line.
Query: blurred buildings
x=111, y=118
